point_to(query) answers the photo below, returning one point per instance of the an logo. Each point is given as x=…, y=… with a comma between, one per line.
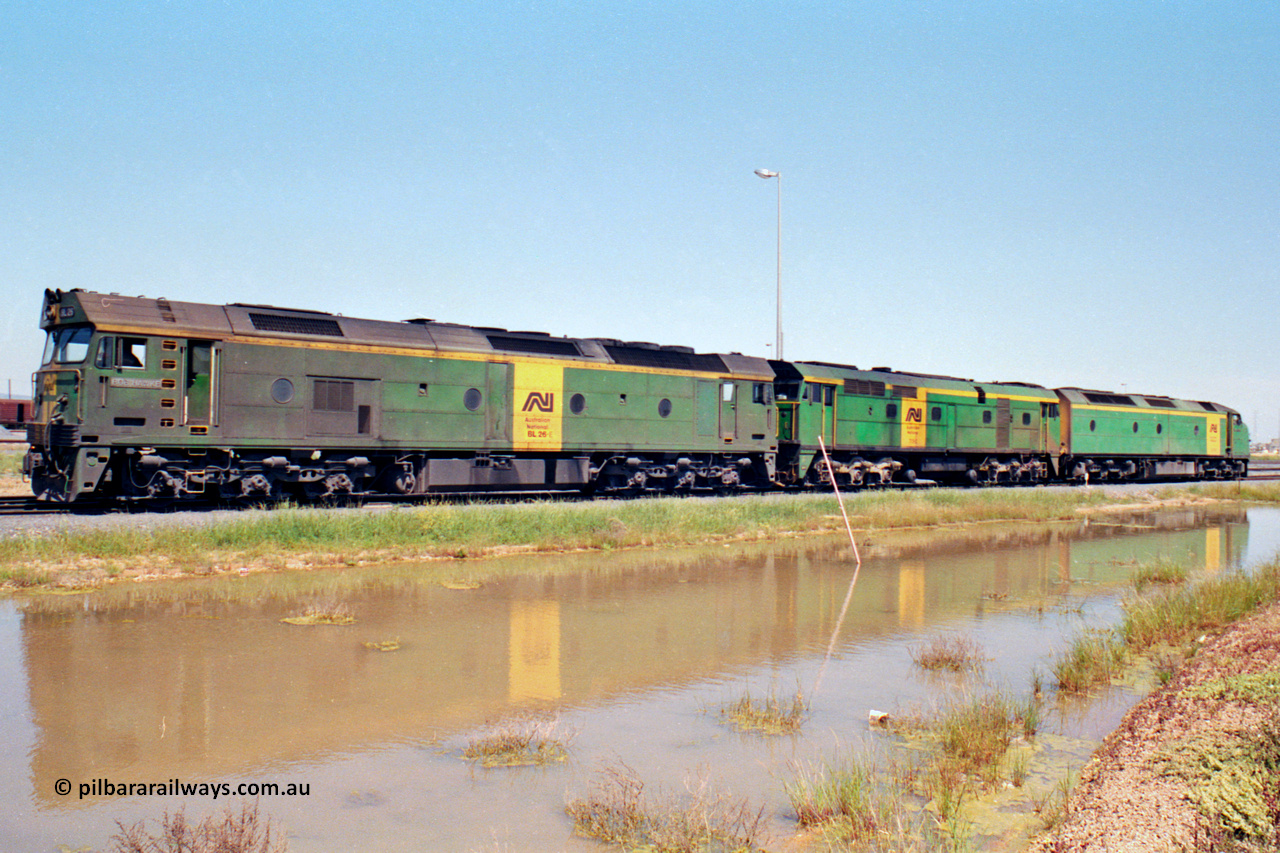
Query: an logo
x=543, y=402
x=914, y=415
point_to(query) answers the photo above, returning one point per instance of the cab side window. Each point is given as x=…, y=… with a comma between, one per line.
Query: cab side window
x=133, y=353
x=106, y=356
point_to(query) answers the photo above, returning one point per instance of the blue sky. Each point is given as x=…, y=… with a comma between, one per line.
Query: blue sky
x=1061, y=193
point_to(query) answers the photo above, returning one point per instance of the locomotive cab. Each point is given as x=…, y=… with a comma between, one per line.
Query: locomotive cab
x=87, y=394
x=54, y=432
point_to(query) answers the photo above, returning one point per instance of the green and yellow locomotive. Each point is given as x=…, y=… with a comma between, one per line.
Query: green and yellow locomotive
x=150, y=399
x=881, y=426
x=1130, y=436
x=147, y=398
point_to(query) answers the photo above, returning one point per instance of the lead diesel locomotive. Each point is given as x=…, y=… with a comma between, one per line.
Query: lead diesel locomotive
x=150, y=399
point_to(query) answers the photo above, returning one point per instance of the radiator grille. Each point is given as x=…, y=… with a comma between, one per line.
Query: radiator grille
x=295, y=325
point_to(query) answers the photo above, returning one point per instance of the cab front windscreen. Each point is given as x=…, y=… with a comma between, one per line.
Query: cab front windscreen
x=67, y=345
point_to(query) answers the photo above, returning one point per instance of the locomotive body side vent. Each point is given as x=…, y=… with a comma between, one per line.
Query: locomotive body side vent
x=295, y=325
x=1108, y=399
x=640, y=357
x=535, y=346
x=864, y=387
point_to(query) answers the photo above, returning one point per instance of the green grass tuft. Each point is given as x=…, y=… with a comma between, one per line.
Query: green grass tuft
x=618, y=811
x=531, y=741
x=323, y=613
x=952, y=653
x=773, y=715
x=1159, y=572
x=843, y=799
x=1093, y=659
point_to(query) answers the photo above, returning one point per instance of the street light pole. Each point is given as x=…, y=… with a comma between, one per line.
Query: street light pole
x=766, y=174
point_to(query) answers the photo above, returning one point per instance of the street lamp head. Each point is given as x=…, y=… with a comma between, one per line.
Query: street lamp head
x=765, y=173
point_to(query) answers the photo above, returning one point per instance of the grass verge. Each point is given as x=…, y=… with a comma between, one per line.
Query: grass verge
x=11, y=462
x=1176, y=616
x=292, y=537
x=1168, y=617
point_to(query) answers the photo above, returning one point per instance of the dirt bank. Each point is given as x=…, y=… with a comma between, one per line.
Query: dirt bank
x=1195, y=765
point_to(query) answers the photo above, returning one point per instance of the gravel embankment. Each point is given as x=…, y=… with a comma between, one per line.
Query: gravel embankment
x=1129, y=800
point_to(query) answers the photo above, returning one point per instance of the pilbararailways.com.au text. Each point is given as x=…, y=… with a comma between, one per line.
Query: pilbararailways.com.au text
x=178, y=788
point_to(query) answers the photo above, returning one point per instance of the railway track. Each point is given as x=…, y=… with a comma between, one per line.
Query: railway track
x=1264, y=470
x=31, y=506
x=28, y=506
x=11, y=506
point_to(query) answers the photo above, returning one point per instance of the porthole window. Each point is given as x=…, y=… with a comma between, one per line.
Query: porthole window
x=1135, y=426
x=472, y=399
x=282, y=391
x=577, y=404
x=1197, y=429
x=986, y=416
x=1093, y=425
x=891, y=410
x=1159, y=428
x=1026, y=419
x=935, y=413
x=664, y=407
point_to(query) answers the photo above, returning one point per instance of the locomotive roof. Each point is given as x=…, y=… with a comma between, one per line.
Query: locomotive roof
x=829, y=371
x=1087, y=396
x=113, y=312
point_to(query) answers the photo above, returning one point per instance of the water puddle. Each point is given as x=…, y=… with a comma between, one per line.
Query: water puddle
x=634, y=653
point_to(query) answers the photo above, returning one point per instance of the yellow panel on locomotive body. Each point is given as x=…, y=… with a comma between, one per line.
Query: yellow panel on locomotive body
x=914, y=429
x=538, y=406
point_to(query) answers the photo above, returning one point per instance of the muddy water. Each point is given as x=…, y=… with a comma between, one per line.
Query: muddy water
x=201, y=681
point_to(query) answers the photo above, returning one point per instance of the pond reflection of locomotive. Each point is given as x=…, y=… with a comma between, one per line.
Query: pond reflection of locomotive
x=146, y=398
